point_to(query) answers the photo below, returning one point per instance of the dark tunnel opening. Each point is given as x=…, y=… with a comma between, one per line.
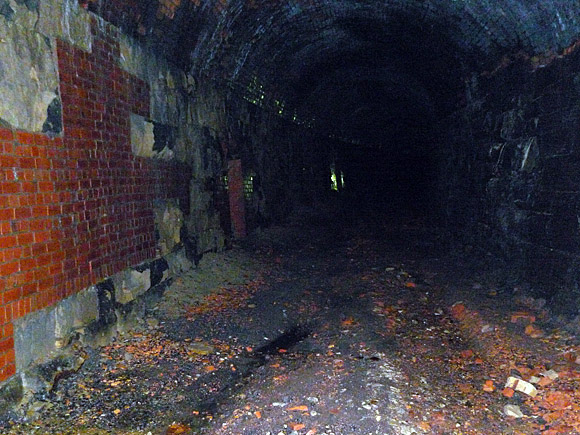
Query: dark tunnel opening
x=378, y=93
x=402, y=186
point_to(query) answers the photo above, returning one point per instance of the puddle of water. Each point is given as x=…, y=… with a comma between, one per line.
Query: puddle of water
x=284, y=341
x=246, y=365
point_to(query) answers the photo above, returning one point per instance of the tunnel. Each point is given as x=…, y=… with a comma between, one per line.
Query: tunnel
x=153, y=147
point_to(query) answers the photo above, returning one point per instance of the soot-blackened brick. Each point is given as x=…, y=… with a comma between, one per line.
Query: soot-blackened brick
x=5, y=10
x=164, y=136
x=107, y=302
x=53, y=123
x=158, y=267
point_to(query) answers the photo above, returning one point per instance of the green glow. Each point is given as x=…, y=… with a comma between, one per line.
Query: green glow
x=336, y=181
x=333, y=179
x=249, y=185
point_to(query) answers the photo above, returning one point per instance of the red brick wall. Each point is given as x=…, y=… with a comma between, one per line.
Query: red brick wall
x=77, y=208
x=236, y=198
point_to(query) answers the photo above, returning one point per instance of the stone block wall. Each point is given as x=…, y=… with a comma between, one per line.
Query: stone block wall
x=76, y=205
x=511, y=172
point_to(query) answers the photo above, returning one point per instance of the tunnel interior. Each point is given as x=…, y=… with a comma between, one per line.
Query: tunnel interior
x=378, y=80
x=424, y=109
x=137, y=132
x=371, y=80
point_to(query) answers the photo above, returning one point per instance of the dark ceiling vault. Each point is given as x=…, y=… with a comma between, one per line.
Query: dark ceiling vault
x=355, y=66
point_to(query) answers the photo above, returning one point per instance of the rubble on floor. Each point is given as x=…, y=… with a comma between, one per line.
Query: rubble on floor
x=322, y=330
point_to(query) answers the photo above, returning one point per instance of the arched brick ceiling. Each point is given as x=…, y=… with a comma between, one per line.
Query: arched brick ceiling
x=330, y=58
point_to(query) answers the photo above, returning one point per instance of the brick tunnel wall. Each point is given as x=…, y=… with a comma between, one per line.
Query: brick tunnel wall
x=513, y=172
x=77, y=208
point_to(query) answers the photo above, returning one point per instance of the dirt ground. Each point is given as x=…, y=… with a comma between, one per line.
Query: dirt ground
x=324, y=328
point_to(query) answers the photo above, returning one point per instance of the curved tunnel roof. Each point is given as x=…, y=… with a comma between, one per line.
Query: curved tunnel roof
x=375, y=62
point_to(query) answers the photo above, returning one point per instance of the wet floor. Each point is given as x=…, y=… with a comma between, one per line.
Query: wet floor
x=321, y=328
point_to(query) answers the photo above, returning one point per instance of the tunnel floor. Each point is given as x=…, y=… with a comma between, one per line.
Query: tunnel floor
x=324, y=328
